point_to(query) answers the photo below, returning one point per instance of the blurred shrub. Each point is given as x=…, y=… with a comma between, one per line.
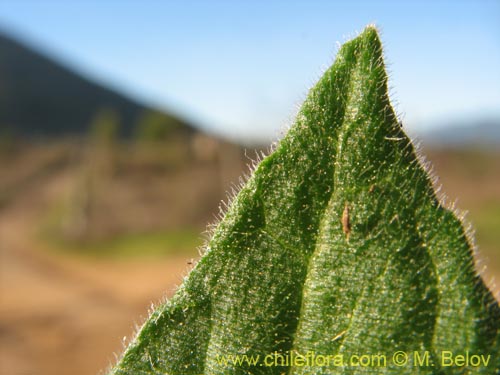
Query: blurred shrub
x=105, y=126
x=6, y=140
x=156, y=126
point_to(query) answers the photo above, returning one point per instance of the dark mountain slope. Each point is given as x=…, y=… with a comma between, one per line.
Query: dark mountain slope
x=38, y=96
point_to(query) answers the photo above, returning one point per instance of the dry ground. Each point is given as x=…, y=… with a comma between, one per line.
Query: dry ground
x=64, y=314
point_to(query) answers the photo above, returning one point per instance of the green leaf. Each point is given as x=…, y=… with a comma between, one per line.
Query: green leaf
x=336, y=245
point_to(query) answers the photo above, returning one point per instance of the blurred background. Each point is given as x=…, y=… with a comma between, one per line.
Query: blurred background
x=124, y=123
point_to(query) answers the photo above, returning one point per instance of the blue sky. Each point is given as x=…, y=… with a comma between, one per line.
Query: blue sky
x=241, y=69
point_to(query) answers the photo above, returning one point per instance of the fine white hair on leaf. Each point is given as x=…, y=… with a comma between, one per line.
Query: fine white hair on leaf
x=131, y=341
x=232, y=194
x=451, y=205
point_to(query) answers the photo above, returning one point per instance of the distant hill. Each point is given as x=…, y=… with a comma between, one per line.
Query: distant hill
x=480, y=132
x=40, y=97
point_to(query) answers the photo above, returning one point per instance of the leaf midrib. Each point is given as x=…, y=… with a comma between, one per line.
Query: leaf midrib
x=324, y=216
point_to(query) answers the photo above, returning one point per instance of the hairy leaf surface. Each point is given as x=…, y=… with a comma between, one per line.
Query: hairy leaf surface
x=336, y=245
